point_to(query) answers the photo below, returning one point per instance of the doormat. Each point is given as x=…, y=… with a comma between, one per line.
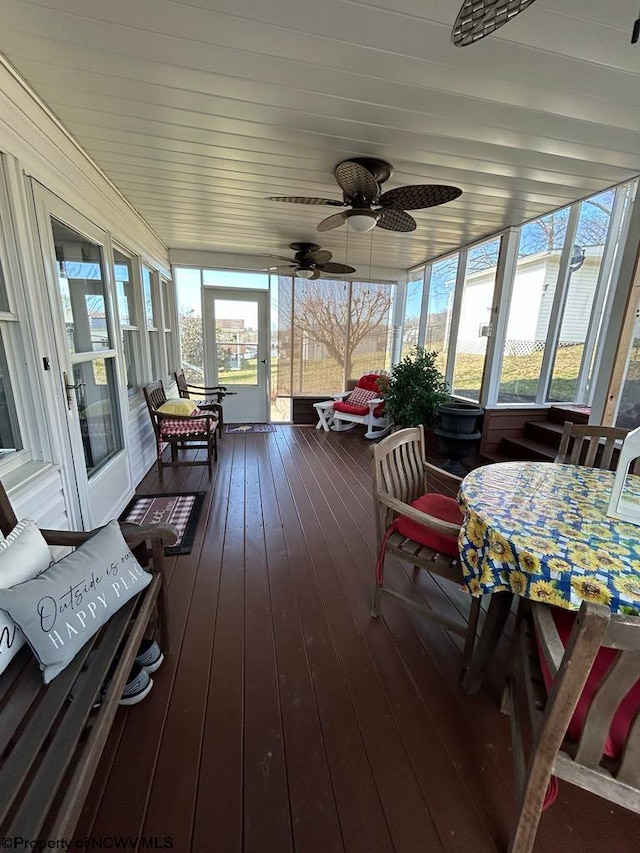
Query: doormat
x=180, y=509
x=245, y=428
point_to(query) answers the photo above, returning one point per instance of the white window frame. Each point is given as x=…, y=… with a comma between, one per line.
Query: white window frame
x=136, y=290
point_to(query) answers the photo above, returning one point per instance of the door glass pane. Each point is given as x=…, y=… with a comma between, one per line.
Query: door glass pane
x=584, y=269
x=98, y=411
x=534, y=288
x=81, y=281
x=236, y=341
x=439, y=313
x=412, y=309
x=9, y=431
x=475, y=317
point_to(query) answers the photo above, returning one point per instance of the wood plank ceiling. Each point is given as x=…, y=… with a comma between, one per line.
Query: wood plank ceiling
x=198, y=110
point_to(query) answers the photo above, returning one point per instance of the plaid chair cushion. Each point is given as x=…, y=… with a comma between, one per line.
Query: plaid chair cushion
x=170, y=427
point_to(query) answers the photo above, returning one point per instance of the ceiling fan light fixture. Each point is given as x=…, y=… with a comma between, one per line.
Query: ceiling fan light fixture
x=304, y=272
x=362, y=221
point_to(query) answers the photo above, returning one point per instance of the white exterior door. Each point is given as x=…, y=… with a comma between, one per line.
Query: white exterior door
x=79, y=284
x=236, y=333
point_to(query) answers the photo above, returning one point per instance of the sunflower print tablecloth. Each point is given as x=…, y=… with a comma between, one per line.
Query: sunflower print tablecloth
x=541, y=530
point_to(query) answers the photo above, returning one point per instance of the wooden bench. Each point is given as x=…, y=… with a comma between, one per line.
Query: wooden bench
x=51, y=737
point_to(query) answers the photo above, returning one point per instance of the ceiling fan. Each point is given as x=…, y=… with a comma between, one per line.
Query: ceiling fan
x=310, y=262
x=360, y=180
x=479, y=18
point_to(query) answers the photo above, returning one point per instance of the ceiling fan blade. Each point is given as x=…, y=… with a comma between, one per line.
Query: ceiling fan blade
x=333, y=221
x=319, y=257
x=303, y=199
x=479, y=19
x=355, y=180
x=282, y=258
x=316, y=274
x=396, y=220
x=337, y=269
x=419, y=196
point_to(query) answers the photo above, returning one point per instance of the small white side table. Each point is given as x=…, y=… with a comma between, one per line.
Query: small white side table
x=325, y=414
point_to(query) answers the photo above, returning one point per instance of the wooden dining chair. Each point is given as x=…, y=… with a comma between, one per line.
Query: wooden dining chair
x=209, y=399
x=593, y=446
x=417, y=526
x=180, y=431
x=573, y=692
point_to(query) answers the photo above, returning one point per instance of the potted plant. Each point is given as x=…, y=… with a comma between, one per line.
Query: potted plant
x=415, y=389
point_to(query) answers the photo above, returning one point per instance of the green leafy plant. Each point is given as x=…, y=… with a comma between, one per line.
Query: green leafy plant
x=415, y=389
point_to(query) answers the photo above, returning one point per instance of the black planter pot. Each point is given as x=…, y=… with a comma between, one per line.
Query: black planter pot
x=456, y=433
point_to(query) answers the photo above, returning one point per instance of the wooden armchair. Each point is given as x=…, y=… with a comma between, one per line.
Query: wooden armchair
x=208, y=399
x=180, y=431
x=574, y=683
x=417, y=526
x=591, y=446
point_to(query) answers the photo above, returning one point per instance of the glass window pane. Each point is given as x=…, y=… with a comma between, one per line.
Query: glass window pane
x=584, y=269
x=148, y=296
x=412, y=310
x=440, y=310
x=318, y=346
x=131, y=349
x=190, y=323
x=98, y=411
x=167, y=303
x=81, y=284
x=9, y=431
x=475, y=318
x=370, y=328
x=124, y=288
x=155, y=342
x=534, y=288
x=629, y=407
x=225, y=278
x=4, y=299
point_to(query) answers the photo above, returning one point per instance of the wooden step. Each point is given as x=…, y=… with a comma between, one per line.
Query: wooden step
x=575, y=414
x=527, y=449
x=547, y=432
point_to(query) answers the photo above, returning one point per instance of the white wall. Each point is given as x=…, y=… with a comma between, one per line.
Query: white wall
x=38, y=149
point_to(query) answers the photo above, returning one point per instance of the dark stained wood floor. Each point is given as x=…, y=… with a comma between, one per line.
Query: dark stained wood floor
x=285, y=718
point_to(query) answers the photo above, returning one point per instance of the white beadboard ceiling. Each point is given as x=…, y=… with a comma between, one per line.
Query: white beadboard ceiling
x=198, y=109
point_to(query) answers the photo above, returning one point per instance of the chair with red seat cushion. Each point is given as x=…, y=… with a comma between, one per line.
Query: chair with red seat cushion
x=574, y=683
x=363, y=405
x=417, y=526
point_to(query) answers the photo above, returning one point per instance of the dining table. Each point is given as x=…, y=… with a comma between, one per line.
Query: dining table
x=540, y=531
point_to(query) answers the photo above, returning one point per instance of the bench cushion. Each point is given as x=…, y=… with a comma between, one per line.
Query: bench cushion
x=440, y=506
x=628, y=708
x=23, y=555
x=64, y=606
